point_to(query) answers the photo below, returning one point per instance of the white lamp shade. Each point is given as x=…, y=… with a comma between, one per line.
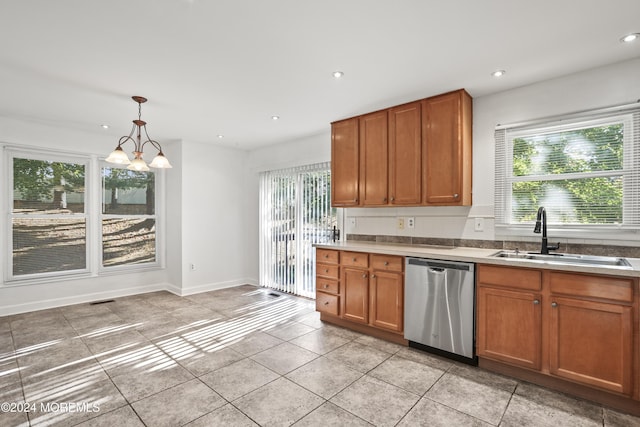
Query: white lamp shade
x=118, y=156
x=160, y=161
x=138, y=165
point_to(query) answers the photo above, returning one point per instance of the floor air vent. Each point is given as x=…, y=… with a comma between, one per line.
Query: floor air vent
x=101, y=302
x=273, y=294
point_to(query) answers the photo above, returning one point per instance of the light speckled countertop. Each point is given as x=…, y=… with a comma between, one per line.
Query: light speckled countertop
x=477, y=255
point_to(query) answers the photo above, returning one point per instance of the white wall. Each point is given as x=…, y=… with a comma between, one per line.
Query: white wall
x=214, y=217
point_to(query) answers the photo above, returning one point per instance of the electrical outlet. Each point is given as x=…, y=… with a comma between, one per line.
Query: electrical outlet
x=479, y=224
x=192, y=266
x=352, y=222
x=400, y=223
x=411, y=222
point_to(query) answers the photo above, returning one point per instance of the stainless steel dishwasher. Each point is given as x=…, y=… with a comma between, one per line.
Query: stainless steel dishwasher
x=439, y=307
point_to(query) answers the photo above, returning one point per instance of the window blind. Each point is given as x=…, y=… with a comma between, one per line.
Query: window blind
x=584, y=169
x=295, y=213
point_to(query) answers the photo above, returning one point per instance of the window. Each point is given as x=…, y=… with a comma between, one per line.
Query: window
x=583, y=170
x=48, y=217
x=295, y=212
x=128, y=217
x=68, y=215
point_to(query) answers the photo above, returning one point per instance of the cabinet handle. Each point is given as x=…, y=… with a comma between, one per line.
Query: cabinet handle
x=554, y=304
x=535, y=301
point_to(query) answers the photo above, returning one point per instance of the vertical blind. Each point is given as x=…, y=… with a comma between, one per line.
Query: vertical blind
x=295, y=213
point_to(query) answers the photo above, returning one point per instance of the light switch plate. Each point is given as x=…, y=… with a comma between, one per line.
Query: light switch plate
x=479, y=225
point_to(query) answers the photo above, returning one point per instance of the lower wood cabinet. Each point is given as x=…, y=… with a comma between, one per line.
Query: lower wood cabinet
x=368, y=290
x=591, y=343
x=511, y=326
x=355, y=294
x=387, y=300
x=574, y=326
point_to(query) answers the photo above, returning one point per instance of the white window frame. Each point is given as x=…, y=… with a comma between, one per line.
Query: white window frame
x=93, y=217
x=129, y=267
x=629, y=116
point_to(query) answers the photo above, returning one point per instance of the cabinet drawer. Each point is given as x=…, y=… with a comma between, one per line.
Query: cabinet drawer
x=328, y=271
x=387, y=262
x=327, y=285
x=327, y=256
x=354, y=259
x=590, y=286
x=516, y=278
x=327, y=303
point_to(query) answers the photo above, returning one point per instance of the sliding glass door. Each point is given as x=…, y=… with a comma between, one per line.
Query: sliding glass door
x=295, y=213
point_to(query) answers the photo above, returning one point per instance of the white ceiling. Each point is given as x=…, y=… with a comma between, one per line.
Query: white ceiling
x=225, y=67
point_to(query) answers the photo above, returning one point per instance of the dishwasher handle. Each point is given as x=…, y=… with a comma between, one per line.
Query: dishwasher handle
x=438, y=264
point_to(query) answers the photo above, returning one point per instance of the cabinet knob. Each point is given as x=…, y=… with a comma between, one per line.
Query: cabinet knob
x=326, y=286
x=384, y=200
x=373, y=277
x=354, y=260
x=393, y=198
x=364, y=276
x=535, y=301
x=455, y=196
x=326, y=270
x=554, y=304
x=386, y=263
x=326, y=303
x=326, y=255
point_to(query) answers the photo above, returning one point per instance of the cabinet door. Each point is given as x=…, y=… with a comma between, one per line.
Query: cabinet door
x=355, y=293
x=509, y=326
x=591, y=343
x=387, y=300
x=345, y=160
x=446, y=134
x=374, y=159
x=405, y=154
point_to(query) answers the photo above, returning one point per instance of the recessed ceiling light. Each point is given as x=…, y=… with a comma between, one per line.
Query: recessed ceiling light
x=220, y=136
x=498, y=73
x=338, y=74
x=630, y=38
x=104, y=126
x=275, y=117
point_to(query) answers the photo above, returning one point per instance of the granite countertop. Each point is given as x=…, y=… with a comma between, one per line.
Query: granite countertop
x=476, y=255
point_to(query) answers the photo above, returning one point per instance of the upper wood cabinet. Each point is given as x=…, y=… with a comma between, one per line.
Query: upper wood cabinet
x=345, y=163
x=413, y=154
x=374, y=159
x=405, y=154
x=446, y=149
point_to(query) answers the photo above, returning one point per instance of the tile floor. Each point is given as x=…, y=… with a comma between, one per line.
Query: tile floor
x=241, y=357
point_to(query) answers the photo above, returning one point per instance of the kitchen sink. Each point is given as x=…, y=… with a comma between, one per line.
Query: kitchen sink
x=571, y=259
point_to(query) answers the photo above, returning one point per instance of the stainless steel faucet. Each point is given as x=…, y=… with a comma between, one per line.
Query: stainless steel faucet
x=541, y=223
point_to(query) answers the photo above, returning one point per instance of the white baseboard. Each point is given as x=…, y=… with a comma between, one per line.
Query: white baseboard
x=8, y=310
x=211, y=287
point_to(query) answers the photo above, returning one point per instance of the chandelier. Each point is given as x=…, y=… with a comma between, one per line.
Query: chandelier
x=118, y=155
